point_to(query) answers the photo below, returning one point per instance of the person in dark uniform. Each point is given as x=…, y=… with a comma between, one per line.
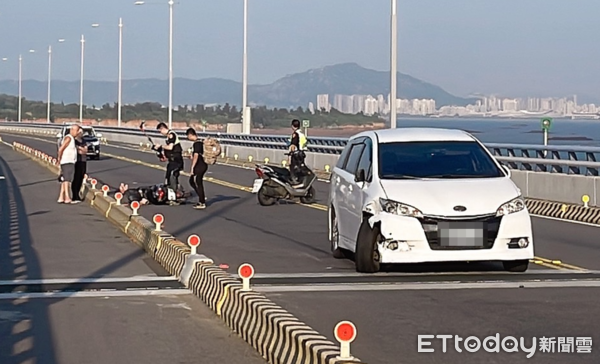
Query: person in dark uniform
x=174, y=154
x=199, y=168
x=80, y=166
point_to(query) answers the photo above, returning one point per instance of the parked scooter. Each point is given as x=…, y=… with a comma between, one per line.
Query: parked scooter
x=275, y=183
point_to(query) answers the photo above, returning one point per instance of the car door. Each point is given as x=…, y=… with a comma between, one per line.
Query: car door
x=347, y=202
x=359, y=191
x=335, y=180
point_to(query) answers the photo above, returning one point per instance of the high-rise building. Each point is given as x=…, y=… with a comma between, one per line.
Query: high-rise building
x=323, y=102
x=337, y=102
x=371, y=106
x=358, y=102
x=382, y=107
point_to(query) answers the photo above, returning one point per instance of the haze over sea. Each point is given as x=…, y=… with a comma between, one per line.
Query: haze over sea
x=517, y=131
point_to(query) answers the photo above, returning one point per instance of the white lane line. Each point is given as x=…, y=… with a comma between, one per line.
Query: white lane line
x=88, y=280
x=563, y=220
x=425, y=286
x=87, y=294
x=411, y=274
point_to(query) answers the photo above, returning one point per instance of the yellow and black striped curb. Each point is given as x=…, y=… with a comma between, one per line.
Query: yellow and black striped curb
x=560, y=210
x=275, y=333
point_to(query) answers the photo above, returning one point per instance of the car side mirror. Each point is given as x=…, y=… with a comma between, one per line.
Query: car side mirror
x=507, y=170
x=360, y=176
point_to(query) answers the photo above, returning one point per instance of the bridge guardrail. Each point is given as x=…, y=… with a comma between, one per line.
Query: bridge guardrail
x=565, y=159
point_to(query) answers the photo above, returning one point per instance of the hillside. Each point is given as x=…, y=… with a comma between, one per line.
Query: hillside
x=290, y=91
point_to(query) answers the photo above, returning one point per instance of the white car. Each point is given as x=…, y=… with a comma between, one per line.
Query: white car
x=416, y=195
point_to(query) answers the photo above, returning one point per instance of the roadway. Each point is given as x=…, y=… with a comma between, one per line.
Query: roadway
x=289, y=239
x=55, y=259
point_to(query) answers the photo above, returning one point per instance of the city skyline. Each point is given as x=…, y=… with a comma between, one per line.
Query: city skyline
x=484, y=47
x=486, y=106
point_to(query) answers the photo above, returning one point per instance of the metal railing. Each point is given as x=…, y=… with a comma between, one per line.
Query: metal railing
x=575, y=160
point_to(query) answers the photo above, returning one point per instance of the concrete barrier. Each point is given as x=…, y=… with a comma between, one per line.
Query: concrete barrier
x=557, y=187
x=276, y=334
x=535, y=185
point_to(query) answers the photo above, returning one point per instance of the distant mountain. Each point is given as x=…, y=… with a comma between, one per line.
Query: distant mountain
x=290, y=91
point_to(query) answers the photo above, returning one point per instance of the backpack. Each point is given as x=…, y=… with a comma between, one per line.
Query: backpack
x=212, y=150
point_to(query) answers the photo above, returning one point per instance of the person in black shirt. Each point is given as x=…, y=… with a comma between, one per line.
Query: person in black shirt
x=174, y=154
x=199, y=168
x=80, y=166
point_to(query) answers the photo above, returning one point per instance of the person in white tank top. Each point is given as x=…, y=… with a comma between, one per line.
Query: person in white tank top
x=67, y=155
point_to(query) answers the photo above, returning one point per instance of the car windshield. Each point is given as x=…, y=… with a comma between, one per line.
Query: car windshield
x=88, y=132
x=436, y=159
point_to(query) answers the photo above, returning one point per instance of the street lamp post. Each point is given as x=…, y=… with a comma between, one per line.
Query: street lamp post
x=20, y=84
x=81, y=80
x=120, y=94
x=246, y=114
x=171, y=2
x=49, y=78
x=393, y=64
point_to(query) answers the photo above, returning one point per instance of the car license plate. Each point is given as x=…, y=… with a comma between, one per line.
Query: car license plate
x=461, y=234
x=257, y=185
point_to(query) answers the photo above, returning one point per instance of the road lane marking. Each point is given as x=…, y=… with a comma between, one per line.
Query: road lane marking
x=151, y=277
x=567, y=221
x=561, y=264
x=424, y=286
x=106, y=294
x=544, y=262
x=353, y=274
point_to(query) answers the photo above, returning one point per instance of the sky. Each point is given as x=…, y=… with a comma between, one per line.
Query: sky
x=511, y=48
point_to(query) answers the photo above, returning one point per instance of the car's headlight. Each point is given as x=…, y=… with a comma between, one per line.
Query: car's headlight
x=397, y=208
x=516, y=205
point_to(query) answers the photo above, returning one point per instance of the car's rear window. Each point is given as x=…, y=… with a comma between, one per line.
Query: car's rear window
x=437, y=159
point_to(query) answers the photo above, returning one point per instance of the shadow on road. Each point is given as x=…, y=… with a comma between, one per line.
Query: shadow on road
x=26, y=332
x=220, y=198
x=25, y=329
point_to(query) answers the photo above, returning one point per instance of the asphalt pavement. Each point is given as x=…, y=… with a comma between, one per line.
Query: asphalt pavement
x=44, y=244
x=288, y=240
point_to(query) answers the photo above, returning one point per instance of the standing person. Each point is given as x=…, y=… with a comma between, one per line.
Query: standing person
x=174, y=154
x=297, y=145
x=199, y=168
x=80, y=166
x=67, y=155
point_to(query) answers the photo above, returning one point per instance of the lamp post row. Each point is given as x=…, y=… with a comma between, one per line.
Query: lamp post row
x=246, y=111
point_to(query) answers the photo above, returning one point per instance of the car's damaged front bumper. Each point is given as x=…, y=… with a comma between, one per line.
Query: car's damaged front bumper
x=417, y=240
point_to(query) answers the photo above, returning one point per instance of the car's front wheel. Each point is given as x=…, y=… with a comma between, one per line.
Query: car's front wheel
x=367, y=257
x=516, y=265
